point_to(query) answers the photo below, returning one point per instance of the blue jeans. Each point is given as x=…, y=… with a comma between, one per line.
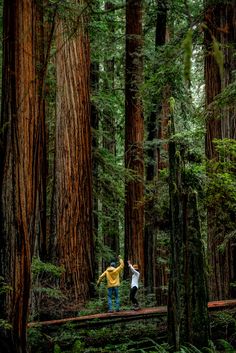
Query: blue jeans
x=114, y=290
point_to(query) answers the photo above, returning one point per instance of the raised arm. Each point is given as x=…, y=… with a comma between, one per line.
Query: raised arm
x=131, y=267
x=121, y=266
x=101, y=278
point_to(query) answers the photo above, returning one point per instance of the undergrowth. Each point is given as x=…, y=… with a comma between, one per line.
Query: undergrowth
x=149, y=336
x=138, y=337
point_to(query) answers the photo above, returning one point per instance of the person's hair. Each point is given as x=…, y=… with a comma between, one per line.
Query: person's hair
x=135, y=266
x=113, y=264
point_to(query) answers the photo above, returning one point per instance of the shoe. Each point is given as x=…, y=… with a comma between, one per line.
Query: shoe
x=117, y=310
x=110, y=311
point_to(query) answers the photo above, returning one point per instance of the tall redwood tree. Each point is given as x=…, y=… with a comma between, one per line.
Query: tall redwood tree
x=21, y=161
x=134, y=134
x=220, y=21
x=187, y=291
x=73, y=168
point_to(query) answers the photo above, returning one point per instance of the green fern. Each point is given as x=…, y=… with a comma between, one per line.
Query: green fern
x=57, y=349
x=39, y=266
x=226, y=346
x=78, y=347
x=3, y=286
x=5, y=325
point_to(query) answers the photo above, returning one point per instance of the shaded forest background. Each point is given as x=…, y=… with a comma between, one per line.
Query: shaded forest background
x=117, y=137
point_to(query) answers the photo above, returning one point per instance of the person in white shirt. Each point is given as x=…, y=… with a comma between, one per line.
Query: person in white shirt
x=134, y=285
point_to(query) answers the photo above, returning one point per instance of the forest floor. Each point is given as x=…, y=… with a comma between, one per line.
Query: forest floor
x=126, y=331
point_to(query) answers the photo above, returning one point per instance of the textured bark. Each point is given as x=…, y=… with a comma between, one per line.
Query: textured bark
x=187, y=299
x=196, y=299
x=95, y=125
x=220, y=20
x=74, y=236
x=21, y=161
x=176, y=288
x=134, y=134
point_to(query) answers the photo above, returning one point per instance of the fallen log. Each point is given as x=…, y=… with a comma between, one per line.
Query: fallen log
x=103, y=319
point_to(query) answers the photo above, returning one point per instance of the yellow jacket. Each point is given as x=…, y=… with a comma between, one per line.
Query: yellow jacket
x=112, y=275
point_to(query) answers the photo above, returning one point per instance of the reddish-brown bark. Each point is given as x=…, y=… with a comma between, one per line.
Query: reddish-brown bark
x=134, y=134
x=73, y=198
x=22, y=163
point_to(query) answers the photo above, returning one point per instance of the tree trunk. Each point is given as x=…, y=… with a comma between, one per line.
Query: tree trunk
x=187, y=297
x=176, y=289
x=74, y=236
x=21, y=161
x=134, y=134
x=95, y=143
x=220, y=20
x=196, y=297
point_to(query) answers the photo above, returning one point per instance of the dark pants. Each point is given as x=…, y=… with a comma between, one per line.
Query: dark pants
x=133, y=292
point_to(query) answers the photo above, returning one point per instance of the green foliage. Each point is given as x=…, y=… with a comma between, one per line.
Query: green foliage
x=4, y=287
x=160, y=348
x=221, y=186
x=172, y=104
x=224, y=186
x=227, y=151
x=191, y=156
x=5, y=325
x=57, y=349
x=194, y=177
x=225, y=346
x=229, y=236
x=188, y=52
x=49, y=292
x=45, y=287
x=96, y=305
x=125, y=337
x=34, y=335
x=225, y=319
x=39, y=267
x=189, y=349
x=107, y=48
x=78, y=347
x=67, y=333
x=44, y=274
x=223, y=325
x=225, y=99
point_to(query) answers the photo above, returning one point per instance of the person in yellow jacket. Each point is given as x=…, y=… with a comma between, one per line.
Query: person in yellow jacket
x=112, y=275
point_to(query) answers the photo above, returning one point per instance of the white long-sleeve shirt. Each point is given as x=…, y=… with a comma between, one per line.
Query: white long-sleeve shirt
x=135, y=277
